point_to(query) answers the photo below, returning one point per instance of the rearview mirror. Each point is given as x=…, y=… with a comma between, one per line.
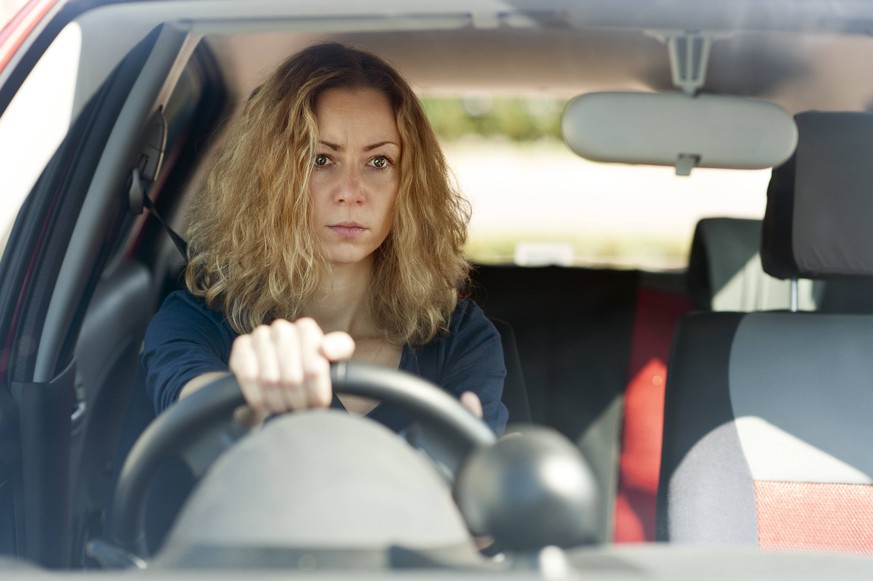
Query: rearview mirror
x=679, y=130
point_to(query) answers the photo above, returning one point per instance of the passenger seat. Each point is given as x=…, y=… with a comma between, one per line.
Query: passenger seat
x=767, y=414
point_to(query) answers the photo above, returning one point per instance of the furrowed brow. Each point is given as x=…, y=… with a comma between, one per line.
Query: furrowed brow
x=337, y=147
x=380, y=144
x=333, y=146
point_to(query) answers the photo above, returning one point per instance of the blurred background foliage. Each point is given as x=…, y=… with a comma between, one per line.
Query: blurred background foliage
x=515, y=119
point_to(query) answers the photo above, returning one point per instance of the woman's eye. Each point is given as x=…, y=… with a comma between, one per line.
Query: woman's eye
x=321, y=160
x=380, y=162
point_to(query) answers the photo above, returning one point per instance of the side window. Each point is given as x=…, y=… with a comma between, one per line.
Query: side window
x=36, y=121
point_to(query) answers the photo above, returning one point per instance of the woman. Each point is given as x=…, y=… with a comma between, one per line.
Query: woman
x=327, y=229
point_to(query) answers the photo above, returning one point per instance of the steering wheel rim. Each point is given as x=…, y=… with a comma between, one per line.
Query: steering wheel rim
x=188, y=419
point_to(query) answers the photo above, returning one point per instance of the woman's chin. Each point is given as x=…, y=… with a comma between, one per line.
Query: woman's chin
x=350, y=257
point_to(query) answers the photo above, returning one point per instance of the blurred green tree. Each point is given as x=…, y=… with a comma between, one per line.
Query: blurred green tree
x=516, y=119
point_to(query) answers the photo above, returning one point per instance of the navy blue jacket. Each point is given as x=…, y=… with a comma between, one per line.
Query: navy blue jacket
x=186, y=339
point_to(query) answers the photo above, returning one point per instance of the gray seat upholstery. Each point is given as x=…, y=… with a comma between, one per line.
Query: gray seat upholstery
x=767, y=414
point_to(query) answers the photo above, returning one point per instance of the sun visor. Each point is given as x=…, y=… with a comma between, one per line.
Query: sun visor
x=679, y=130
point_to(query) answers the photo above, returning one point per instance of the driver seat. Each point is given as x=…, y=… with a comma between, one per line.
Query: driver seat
x=768, y=414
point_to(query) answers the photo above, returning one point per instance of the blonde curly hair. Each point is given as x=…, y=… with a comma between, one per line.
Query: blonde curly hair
x=253, y=252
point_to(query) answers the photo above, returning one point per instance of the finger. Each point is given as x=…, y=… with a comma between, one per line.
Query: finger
x=472, y=402
x=287, y=342
x=268, y=369
x=316, y=368
x=337, y=346
x=244, y=365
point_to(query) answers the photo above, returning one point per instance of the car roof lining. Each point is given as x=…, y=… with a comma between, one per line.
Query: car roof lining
x=493, y=40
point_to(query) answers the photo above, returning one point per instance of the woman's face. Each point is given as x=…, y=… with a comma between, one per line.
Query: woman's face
x=356, y=174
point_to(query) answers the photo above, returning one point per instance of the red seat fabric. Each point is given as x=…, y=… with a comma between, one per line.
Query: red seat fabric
x=640, y=458
x=818, y=516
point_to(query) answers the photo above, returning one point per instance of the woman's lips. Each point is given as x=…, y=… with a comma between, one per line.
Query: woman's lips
x=347, y=230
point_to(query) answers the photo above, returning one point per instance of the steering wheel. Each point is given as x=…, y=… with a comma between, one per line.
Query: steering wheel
x=457, y=432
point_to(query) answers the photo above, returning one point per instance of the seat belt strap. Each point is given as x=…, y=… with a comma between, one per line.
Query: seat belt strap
x=178, y=241
x=139, y=200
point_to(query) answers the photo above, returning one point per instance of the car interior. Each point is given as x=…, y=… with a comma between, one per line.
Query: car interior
x=724, y=402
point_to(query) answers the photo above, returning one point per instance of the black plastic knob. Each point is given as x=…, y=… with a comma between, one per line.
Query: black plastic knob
x=528, y=491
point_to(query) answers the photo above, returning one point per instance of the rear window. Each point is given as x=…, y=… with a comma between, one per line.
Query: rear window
x=535, y=202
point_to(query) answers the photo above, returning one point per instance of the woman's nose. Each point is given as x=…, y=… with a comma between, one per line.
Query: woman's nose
x=350, y=189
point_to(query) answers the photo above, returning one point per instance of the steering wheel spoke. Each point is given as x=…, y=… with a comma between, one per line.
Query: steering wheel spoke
x=214, y=442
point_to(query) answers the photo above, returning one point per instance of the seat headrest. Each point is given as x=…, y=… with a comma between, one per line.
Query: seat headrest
x=725, y=274
x=721, y=247
x=819, y=218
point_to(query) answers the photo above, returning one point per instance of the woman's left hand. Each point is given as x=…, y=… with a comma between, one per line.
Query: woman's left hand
x=472, y=402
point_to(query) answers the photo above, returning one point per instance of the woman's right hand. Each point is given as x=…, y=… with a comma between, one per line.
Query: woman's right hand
x=285, y=366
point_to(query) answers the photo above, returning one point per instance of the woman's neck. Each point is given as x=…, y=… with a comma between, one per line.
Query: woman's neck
x=342, y=302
